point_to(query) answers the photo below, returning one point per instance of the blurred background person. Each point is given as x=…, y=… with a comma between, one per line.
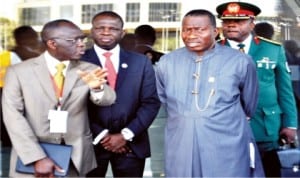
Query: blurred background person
x=128, y=42
x=28, y=43
x=264, y=29
x=7, y=58
x=145, y=39
x=292, y=51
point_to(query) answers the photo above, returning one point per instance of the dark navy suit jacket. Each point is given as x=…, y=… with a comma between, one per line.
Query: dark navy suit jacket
x=136, y=106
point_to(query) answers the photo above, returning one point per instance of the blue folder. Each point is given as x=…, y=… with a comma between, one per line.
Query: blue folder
x=60, y=154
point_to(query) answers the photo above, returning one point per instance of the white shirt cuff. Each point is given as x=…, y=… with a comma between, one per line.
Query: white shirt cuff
x=97, y=94
x=127, y=134
x=252, y=155
x=100, y=136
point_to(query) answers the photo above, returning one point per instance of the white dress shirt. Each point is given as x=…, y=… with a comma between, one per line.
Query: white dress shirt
x=246, y=42
x=115, y=58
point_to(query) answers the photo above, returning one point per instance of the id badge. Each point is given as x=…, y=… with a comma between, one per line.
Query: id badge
x=58, y=121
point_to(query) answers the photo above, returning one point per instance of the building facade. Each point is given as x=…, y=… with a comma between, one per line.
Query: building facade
x=164, y=15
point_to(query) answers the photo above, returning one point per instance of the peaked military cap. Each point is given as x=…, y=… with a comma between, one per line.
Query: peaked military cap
x=237, y=10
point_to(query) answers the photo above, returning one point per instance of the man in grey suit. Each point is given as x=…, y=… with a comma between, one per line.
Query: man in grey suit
x=30, y=95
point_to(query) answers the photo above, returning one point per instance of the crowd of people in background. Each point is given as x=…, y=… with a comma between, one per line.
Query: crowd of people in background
x=224, y=96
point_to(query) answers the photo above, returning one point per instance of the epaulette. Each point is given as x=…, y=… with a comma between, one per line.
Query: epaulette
x=268, y=40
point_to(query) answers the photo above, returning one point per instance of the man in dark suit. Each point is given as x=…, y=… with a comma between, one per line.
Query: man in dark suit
x=120, y=130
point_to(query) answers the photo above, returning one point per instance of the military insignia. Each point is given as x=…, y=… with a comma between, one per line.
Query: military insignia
x=256, y=39
x=266, y=63
x=233, y=8
x=268, y=40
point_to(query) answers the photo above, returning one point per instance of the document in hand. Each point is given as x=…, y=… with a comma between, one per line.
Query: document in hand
x=60, y=154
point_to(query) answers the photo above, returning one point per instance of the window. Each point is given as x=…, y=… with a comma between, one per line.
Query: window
x=66, y=12
x=89, y=10
x=35, y=16
x=132, y=12
x=162, y=12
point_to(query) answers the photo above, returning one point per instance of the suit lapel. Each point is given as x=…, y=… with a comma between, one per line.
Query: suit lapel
x=44, y=77
x=123, y=68
x=92, y=57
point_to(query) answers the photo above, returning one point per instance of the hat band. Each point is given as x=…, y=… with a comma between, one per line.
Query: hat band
x=239, y=13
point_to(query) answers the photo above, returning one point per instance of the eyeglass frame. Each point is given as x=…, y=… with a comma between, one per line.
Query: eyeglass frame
x=73, y=41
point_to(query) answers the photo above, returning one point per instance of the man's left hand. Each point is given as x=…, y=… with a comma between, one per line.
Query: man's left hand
x=289, y=134
x=114, y=143
x=95, y=78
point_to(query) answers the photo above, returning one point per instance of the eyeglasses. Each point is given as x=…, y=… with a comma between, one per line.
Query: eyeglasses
x=73, y=41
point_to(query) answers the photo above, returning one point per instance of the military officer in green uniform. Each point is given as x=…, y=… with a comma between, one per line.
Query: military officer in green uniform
x=276, y=114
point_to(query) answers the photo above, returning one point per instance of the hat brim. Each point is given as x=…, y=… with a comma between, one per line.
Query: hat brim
x=234, y=17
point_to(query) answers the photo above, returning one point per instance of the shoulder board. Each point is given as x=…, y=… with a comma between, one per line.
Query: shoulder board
x=268, y=40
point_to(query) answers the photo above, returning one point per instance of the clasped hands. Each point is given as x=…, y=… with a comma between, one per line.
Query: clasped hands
x=95, y=78
x=115, y=143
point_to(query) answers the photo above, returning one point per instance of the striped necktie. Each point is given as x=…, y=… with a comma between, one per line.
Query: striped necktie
x=59, y=78
x=112, y=75
x=241, y=47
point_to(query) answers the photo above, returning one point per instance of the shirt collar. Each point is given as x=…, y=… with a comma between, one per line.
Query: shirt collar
x=52, y=62
x=114, y=57
x=246, y=42
x=100, y=51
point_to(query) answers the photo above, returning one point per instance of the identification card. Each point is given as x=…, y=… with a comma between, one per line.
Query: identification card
x=58, y=121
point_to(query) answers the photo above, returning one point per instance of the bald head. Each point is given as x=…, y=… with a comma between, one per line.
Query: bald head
x=55, y=28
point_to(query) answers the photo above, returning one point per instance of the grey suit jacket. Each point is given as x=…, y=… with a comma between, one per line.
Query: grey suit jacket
x=28, y=95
